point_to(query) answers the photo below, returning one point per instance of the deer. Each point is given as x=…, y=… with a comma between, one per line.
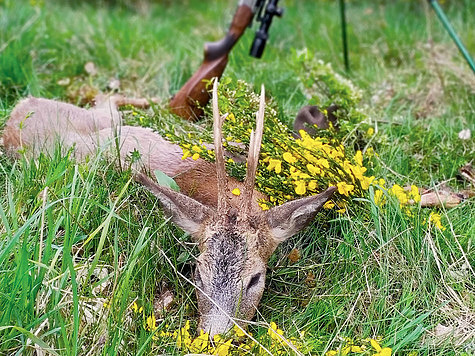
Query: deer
x=234, y=236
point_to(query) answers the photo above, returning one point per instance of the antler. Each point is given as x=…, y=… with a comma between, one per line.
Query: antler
x=253, y=155
x=218, y=151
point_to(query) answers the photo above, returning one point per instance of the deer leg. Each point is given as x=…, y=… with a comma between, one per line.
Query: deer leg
x=119, y=100
x=141, y=103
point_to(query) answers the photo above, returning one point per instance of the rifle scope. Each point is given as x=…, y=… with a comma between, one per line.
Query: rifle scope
x=262, y=34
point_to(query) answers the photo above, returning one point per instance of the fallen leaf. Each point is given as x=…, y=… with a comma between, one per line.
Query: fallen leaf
x=166, y=181
x=460, y=332
x=164, y=301
x=441, y=197
x=468, y=172
x=294, y=255
x=310, y=280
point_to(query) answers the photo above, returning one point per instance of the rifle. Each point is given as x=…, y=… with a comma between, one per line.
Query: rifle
x=190, y=99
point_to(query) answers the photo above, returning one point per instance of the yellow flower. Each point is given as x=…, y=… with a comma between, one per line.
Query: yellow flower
x=331, y=353
x=323, y=162
x=312, y=185
x=287, y=156
x=238, y=331
x=378, y=198
x=183, y=336
x=196, y=149
x=375, y=345
x=358, y=172
x=136, y=308
x=359, y=158
x=264, y=206
x=328, y=205
x=200, y=343
x=313, y=170
x=275, y=164
x=414, y=194
x=370, y=132
x=384, y=352
x=300, y=188
x=356, y=349
x=369, y=152
x=195, y=156
x=345, y=351
x=366, y=182
x=274, y=331
x=151, y=323
x=223, y=349
x=400, y=194
x=347, y=167
x=435, y=219
x=236, y=192
x=345, y=189
x=186, y=153
x=380, y=351
x=302, y=175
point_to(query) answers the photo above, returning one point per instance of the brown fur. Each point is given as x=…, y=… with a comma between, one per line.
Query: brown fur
x=200, y=183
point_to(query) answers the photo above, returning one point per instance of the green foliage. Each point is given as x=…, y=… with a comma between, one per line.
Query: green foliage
x=324, y=87
x=165, y=180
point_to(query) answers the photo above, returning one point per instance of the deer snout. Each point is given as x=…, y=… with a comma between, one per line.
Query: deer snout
x=213, y=324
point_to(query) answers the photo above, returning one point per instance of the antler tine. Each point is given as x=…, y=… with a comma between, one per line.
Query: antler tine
x=253, y=155
x=218, y=151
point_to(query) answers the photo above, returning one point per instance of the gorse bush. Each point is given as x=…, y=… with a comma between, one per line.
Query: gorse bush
x=291, y=168
x=324, y=87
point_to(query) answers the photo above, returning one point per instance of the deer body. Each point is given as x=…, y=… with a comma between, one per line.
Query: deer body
x=37, y=125
x=234, y=236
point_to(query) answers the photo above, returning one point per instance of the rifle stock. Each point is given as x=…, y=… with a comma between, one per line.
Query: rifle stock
x=187, y=102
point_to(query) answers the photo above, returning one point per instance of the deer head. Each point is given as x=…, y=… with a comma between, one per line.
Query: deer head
x=235, y=243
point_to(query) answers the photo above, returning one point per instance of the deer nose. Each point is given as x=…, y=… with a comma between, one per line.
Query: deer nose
x=215, y=324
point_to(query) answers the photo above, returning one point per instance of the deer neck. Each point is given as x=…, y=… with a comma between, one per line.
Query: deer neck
x=200, y=183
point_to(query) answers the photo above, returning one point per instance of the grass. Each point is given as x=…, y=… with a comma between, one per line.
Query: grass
x=375, y=272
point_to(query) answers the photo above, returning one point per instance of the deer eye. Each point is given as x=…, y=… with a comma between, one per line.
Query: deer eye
x=254, y=280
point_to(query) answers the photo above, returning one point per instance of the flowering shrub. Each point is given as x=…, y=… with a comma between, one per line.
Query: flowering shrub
x=362, y=347
x=435, y=219
x=291, y=168
x=324, y=87
x=235, y=342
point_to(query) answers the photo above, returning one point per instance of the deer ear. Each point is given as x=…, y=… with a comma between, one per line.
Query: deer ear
x=287, y=219
x=185, y=212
